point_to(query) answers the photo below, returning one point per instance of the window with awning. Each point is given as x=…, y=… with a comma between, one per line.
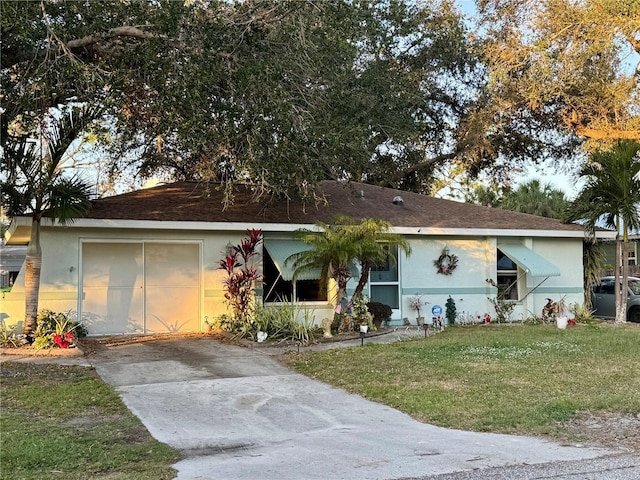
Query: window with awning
x=278, y=274
x=515, y=258
x=529, y=261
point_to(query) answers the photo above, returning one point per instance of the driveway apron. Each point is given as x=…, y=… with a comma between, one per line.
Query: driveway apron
x=236, y=413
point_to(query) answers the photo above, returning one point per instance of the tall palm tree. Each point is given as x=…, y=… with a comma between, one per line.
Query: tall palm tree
x=612, y=195
x=33, y=183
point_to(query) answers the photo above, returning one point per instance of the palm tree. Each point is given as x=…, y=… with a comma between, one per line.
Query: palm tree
x=612, y=195
x=337, y=246
x=372, y=236
x=537, y=199
x=34, y=184
x=333, y=250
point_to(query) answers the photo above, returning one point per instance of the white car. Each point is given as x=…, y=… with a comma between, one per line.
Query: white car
x=604, y=299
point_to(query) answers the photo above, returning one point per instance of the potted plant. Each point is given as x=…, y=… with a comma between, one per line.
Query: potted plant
x=361, y=316
x=416, y=303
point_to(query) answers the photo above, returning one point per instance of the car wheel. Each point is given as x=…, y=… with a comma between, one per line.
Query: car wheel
x=634, y=315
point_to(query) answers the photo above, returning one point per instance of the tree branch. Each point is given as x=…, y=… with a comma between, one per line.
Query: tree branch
x=418, y=166
x=124, y=31
x=600, y=134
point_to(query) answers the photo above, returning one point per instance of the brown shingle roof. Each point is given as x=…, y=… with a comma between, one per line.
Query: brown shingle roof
x=184, y=201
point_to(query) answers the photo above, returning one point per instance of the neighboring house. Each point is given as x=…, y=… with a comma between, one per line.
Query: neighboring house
x=147, y=261
x=11, y=261
x=609, y=250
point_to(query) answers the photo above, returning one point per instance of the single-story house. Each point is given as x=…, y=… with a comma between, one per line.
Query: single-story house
x=148, y=261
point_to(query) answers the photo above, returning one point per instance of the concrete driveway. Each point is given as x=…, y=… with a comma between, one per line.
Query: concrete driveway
x=235, y=413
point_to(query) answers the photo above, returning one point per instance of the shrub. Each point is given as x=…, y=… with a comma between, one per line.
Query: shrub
x=379, y=311
x=10, y=338
x=450, y=311
x=56, y=329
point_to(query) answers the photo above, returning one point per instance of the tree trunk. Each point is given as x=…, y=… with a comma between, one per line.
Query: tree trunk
x=620, y=292
x=364, y=278
x=621, y=309
x=33, y=263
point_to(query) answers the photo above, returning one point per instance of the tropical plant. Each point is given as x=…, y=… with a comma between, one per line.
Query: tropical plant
x=373, y=240
x=57, y=329
x=338, y=246
x=10, y=338
x=333, y=250
x=288, y=321
x=612, y=196
x=241, y=278
x=33, y=183
x=537, y=199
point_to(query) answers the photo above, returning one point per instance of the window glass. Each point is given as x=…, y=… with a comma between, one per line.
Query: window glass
x=507, y=277
x=388, y=271
x=278, y=290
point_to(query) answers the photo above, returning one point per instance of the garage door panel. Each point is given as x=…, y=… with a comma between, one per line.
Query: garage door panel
x=112, y=265
x=141, y=287
x=112, y=311
x=173, y=309
x=172, y=264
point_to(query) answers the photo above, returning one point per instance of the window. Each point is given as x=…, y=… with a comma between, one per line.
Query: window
x=384, y=280
x=276, y=289
x=606, y=287
x=507, y=277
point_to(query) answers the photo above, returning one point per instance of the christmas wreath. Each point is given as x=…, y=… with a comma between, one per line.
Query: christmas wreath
x=446, y=262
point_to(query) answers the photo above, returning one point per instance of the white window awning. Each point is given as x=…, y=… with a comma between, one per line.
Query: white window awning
x=280, y=250
x=530, y=261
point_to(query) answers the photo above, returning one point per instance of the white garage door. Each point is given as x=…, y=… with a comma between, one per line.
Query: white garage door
x=141, y=287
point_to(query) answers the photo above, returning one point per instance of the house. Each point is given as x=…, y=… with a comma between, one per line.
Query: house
x=147, y=261
x=11, y=260
x=633, y=246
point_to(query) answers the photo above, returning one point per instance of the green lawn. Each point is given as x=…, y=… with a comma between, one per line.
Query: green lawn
x=524, y=379
x=64, y=422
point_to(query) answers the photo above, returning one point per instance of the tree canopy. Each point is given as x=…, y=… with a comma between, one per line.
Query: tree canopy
x=573, y=63
x=279, y=93
x=283, y=94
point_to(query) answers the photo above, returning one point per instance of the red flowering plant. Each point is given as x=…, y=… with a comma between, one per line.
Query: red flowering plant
x=241, y=279
x=57, y=330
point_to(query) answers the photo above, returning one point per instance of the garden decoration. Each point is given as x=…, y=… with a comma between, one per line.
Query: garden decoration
x=446, y=262
x=450, y=310
x=416, y=303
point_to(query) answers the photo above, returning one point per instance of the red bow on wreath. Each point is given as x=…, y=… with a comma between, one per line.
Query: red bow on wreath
x=446, y=262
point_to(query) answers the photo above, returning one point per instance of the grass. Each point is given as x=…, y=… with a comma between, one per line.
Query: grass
x=520, y=379
x=64, y=422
